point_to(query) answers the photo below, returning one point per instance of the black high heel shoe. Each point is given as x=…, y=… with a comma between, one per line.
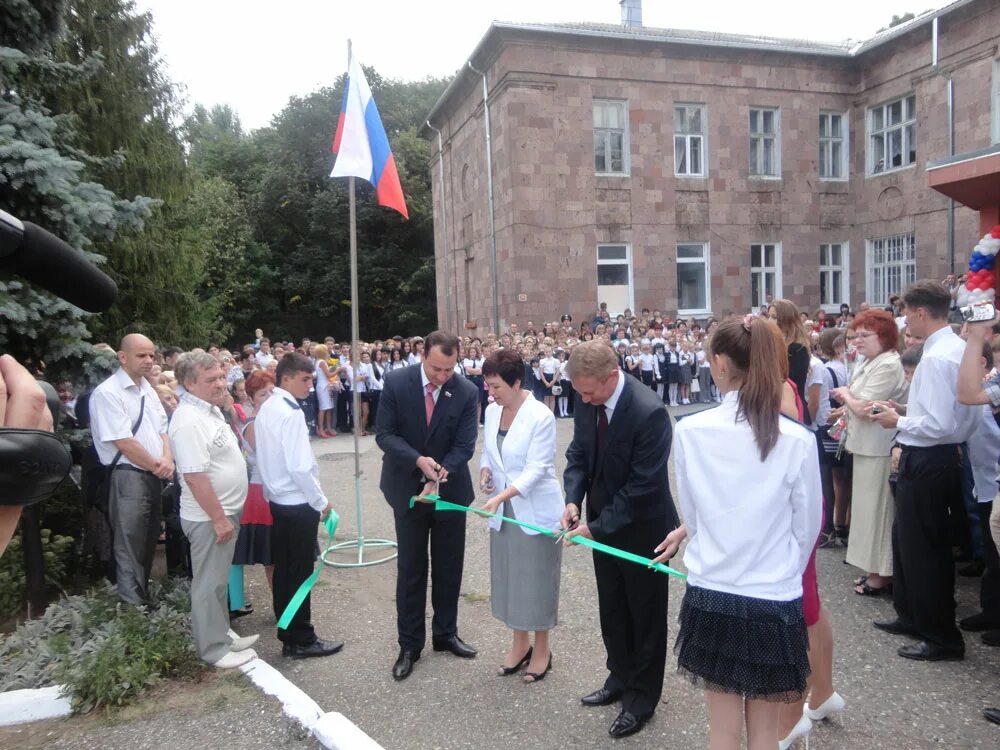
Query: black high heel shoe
x=507, y=671
x=536, y=676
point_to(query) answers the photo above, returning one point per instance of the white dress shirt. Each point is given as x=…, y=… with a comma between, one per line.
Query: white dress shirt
x=612, y=402
x=933, y=414
x=203, y=442
x=751, y=524
x=818, y=375
x=114, y=408
x=984, y=450
x=363, y=386
x=288, y=468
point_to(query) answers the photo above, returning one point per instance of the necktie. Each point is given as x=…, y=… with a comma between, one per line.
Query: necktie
x=594, y=502
x=602, y=427
x=429, y=401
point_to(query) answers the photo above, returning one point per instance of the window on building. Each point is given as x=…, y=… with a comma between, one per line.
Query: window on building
x=614, y=277
x=689, y=140
x=765, y=142
x=892, y=266
x=892, y=135
x=995, y=120
x=833, y=145
x=833, y=275
x=765, y=274
x=693, y=279
x=610, y=136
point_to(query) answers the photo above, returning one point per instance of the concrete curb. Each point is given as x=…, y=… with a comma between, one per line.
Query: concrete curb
x=22, y=706
x=333, y=730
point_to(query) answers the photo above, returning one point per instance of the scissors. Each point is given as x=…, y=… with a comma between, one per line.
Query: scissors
x=561, y=534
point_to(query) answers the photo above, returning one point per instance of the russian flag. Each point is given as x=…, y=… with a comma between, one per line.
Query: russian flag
x=361, y=146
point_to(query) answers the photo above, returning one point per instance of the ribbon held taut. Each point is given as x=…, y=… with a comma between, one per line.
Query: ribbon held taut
x=607, y=549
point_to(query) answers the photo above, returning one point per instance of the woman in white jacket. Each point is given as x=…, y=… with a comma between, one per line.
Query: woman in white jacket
x=517, y=470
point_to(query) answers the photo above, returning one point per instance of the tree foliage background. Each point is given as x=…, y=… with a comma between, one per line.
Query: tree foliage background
x=209, y=231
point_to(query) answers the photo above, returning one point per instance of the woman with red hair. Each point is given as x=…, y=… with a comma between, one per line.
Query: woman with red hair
x=878, y=378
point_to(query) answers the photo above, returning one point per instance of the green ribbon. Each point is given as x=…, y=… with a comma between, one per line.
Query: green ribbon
x=607, y=549
x=296, y=601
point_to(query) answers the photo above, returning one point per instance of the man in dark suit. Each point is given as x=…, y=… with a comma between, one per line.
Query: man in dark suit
x=427, y=429
x=618, y=460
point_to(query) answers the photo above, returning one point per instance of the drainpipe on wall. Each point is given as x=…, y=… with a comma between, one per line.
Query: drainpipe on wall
x=950, y=88
x=489, y=189
x=447, y=251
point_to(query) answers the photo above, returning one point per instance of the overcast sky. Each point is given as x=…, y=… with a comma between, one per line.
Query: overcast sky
x=255, y=54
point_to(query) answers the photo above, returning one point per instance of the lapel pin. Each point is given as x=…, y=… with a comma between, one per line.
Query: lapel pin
x=447, y=394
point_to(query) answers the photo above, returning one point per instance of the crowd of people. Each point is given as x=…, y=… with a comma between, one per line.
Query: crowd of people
x=870, y=431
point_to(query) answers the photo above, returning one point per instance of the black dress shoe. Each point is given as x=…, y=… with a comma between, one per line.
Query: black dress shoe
x=973, y=570
x=992, y=714
x=404, y=664
x=924, y=651
x=316, y=648
x=601, y=697
x=627, y=723
x=895, y=627
x=977, y=622
x=991, y=637
x=457, y=646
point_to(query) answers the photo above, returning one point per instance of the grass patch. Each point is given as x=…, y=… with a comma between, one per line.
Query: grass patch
x=106, y=653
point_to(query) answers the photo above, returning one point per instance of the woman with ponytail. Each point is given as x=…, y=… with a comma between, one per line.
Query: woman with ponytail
x=749, y=486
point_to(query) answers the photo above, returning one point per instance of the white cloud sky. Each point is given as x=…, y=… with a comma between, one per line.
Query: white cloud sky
x=255, y=54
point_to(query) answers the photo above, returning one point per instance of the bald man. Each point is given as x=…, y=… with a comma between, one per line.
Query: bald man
x=129, y=428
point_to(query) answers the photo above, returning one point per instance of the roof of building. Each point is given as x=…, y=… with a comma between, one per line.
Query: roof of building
x=846, y=49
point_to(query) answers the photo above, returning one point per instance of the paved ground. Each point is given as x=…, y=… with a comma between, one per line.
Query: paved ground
x=449, y=703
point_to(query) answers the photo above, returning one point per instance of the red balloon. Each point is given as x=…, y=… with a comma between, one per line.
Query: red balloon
x=969, y=283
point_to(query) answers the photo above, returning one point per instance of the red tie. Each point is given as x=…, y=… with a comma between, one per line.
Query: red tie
x=429, y=401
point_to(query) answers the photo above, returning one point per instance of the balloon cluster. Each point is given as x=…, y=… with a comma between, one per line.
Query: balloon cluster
x=980, y=280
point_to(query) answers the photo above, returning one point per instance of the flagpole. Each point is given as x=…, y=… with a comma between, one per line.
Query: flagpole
x=360, y=542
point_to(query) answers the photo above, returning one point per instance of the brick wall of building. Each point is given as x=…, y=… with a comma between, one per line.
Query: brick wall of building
x=552, y=211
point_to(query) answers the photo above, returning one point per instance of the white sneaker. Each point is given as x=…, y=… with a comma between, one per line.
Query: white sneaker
x=241, y=643
x=235, y=659
x=832, y=705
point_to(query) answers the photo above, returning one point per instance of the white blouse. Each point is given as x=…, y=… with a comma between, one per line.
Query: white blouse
x=751, y=524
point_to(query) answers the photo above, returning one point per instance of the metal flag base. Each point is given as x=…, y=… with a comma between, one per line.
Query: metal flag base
x=361, y=545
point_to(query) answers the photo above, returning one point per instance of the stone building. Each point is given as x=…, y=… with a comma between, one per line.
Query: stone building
x=698, y=172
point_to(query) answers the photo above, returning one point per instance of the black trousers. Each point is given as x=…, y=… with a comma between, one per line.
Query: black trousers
x=989, y=585
x=445, y=531
x=633, y=612
x=293, y=549
x=930, y=480
x=345, y=405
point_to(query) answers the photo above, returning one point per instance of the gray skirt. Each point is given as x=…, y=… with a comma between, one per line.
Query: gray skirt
x=524, y=577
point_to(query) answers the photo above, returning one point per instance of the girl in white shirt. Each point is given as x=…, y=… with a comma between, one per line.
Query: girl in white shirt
x=748, y=483
x=364, y=379
x=647, y=365
x=548, y=370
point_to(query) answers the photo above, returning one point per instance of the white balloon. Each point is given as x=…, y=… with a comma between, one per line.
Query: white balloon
x=989, y=246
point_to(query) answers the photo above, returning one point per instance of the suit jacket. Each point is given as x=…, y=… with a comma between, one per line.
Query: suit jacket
x=630, y=479
x=402, y=432
x=878, y=379
x=527, y=462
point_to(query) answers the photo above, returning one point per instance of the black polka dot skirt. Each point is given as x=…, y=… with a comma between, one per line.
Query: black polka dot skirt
x=756, y=648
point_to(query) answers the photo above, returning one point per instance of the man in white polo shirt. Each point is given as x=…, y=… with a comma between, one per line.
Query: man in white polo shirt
x=213, y=477
x=129, y=428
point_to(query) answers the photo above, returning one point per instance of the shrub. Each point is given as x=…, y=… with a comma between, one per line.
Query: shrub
x=106, y=653
x=57, y=552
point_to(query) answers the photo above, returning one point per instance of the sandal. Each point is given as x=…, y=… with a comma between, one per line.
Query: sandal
x=861, y=581
x=863, y=589
x=506, y=671
x=538, y=677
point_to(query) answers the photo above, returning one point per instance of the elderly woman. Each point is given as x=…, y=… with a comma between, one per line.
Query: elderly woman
x=518, y=470
x=879, y=377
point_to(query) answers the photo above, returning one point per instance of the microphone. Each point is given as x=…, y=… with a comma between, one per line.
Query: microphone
x=42, y=258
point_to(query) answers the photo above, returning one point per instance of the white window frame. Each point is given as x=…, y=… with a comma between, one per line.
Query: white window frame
x=844, y=293
x=762, y=136
x=908, y=120
x=626, y=161
x=826, y=143
x=995, y=108
x=879, y=285
x=763, y=269
x=706, y=261
x=688, y=136
x=616, y=262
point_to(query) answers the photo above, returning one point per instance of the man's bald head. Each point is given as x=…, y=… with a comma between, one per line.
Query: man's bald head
x=132, y=341
x=137, y=355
